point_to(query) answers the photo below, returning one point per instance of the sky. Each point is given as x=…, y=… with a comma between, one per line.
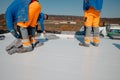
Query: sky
x=71, y=7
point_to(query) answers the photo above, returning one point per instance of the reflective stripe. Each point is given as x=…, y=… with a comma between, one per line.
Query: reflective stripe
x=26, y=42
x=96, y=39
x=87, y=39
x=33, y=40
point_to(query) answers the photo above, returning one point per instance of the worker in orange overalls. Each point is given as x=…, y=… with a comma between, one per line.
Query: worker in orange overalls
x=92, y=9
x=25, y=14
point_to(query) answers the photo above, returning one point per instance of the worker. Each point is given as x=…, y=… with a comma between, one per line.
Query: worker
x=23, y=13
x=92, y=10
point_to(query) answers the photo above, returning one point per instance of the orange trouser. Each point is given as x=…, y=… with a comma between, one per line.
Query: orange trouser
x=33, y=14
x=92, y=19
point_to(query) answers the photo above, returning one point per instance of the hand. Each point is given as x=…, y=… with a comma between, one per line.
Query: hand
x=14, y=33
x=44, y=32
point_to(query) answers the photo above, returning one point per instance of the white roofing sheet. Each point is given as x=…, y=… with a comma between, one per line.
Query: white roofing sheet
x=62, y=59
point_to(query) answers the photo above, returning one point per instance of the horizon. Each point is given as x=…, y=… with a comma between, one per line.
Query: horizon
x=74, y=16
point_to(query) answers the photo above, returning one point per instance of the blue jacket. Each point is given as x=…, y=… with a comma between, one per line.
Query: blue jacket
x=97, y=4
x=17, y=12
x=41, y=19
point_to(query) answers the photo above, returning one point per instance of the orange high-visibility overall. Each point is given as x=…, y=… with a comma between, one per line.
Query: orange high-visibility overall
x=92, y=19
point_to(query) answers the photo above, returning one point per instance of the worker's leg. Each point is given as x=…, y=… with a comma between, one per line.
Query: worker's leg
x=87, y=25
x=96, y=21
x=37, y=9
x=25, y=39
x=26, y=44
x=34, y=11
x=31, y=32
x=87, y=36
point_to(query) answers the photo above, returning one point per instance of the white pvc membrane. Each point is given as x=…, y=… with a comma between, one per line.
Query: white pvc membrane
x=62, y=59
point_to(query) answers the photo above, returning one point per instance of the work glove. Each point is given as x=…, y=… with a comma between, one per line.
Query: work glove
x=14, y=33
x=44, y=32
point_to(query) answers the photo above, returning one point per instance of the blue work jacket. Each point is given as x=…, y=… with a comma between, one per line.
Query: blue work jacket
x=17, y=12
x=97, y=4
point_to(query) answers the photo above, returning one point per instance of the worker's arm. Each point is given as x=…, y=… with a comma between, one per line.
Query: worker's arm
x=41, y=22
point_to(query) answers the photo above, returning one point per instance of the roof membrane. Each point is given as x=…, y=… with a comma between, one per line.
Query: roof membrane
x=62, y=59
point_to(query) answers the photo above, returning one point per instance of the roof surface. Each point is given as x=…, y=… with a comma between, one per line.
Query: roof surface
x=62, y=59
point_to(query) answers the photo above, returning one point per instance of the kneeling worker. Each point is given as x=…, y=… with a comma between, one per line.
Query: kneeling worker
x=25, y=14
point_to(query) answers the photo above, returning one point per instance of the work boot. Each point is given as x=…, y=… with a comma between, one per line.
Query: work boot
x=86, y=41
x=86, y=44
x=96, y=44
x=96, y=41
